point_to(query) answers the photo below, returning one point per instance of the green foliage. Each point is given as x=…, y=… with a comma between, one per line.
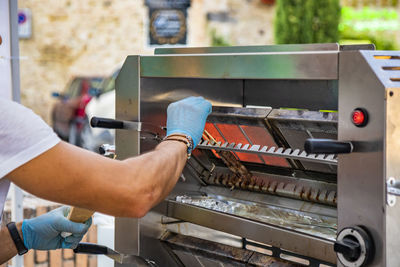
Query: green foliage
x=377, y=26
x=368, y=13
x=307, y=21
x=218, y=40
x=369, y=19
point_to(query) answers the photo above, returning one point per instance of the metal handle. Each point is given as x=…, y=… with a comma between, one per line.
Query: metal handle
x=393, y=191
x=89, y=248
x=97, y=122
x=116, y=124
x=327, y=146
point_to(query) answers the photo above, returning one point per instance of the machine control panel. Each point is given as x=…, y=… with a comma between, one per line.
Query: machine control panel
x=354, y=247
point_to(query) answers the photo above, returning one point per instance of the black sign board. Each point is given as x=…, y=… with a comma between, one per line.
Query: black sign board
x=168, y=21
x=168, y=4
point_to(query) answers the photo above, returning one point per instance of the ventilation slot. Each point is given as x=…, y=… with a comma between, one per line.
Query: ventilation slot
x=386, y=57
x=391, y=68
x=294, y=259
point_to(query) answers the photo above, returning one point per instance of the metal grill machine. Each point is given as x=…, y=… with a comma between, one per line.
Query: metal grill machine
x=298, y=164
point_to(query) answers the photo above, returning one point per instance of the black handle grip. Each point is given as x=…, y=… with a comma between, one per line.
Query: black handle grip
x=97, y=122
x=89, y=248
x=327, y=146
x=349, y=248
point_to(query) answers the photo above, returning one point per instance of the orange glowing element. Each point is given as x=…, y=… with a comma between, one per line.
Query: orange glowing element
x=210, y=128
x=255, y=135
x=233, y=134
x=260, y=136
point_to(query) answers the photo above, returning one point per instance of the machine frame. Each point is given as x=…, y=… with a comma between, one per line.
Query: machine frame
x=320, y=76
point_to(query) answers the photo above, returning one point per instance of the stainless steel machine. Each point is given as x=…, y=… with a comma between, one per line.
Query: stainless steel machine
x=298, y=164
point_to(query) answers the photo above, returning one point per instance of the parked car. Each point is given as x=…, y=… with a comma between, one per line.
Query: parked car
x=68, y=113
x=103, y=105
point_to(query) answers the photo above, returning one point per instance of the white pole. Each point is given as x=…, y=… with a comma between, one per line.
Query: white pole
x=5, y=50
x=17, y=215
x=9, y=84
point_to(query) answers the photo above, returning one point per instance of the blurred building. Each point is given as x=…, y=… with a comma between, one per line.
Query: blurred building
x=377, y=3
x=91, y=38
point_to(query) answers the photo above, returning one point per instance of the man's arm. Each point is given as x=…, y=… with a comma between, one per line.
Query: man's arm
x=129, y=188
x=8, y=249
x=70, y=175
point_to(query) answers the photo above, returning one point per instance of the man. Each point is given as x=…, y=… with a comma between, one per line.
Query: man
x=33, y=157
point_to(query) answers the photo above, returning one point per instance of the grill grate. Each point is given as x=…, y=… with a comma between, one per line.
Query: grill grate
x=287, y=153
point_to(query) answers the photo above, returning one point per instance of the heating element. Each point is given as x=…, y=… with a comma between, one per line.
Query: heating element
x=297, y=165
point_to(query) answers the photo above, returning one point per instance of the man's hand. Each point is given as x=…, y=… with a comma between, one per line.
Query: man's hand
x=43, y=232
x=188, y=116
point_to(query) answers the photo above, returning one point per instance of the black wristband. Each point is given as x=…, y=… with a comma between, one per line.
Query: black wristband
x=19, y=244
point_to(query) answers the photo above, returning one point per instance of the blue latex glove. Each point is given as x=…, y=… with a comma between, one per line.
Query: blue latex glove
x=188, y=116
x=43, y=232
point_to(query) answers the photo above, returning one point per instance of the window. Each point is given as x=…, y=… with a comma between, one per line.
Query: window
x=74, y=88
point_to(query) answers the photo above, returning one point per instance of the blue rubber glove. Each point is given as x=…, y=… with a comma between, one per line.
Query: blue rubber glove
x=43, y=232
x=188, y=116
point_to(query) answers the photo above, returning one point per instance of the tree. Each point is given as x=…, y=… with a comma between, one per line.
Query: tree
x=307, y=21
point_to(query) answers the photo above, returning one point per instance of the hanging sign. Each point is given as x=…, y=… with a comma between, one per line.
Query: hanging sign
x=168, y=4
x=168, y=21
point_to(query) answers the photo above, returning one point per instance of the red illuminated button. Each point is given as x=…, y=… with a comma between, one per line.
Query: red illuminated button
x=359, y=117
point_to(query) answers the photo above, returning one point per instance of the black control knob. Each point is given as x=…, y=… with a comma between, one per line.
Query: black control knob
x=354, y=247
x=327, y=146
x=348, y=247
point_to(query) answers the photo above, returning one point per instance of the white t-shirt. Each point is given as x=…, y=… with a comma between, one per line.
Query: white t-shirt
x=23, y=136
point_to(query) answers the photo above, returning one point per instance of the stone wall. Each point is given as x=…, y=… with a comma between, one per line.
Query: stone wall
x=72, y=37
x=92, y=37
x=242, y=22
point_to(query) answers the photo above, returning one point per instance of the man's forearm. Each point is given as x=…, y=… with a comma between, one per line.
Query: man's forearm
x=170, y=166
x=139, y=183
x=158, y=173
x=129, y=188
x=8, y=249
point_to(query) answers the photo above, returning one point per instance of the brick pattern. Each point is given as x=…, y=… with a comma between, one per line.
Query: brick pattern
x=55, y=258
x=41, y=257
